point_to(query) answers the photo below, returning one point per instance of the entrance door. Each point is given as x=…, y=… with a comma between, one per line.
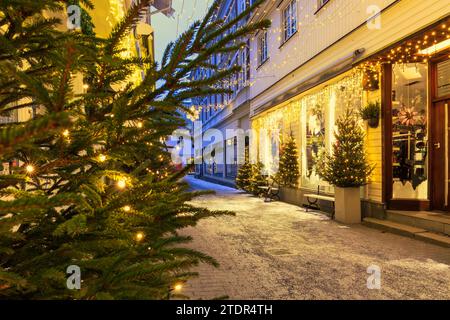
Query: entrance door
x=440, y=154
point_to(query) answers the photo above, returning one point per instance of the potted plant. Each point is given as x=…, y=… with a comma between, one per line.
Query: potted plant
x=346, y=168
x=257, y=178
x=288, y=167
x=371, y=113
x=244, y=175
x=289, y=171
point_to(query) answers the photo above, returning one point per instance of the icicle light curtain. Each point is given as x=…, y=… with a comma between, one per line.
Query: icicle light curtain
x=311, y=120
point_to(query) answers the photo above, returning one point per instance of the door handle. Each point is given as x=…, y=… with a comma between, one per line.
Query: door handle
x=437, y=145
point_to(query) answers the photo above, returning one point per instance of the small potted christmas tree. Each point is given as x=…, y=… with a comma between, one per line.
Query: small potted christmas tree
x=289, y=171
x=257, y=179
x=244, y=175
x=347, y=168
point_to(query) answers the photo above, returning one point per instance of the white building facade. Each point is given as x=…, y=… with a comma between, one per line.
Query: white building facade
x=225, y=112
x=321, y=57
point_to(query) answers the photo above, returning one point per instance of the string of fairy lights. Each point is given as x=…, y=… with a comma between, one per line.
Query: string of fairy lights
x=311, y=112
x=419, y=49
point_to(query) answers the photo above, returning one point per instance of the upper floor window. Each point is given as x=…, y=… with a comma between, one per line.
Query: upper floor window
x=290, y=20
x=244, y=61
x=263, y=47
x=242, y=5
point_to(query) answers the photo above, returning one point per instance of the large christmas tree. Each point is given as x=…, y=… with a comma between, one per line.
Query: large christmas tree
x=95, y=188
x=288, y=168
x=347, y=166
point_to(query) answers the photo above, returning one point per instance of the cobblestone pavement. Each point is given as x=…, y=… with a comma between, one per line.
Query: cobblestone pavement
x=278, y=251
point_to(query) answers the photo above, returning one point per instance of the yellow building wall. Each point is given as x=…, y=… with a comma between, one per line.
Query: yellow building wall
x=374, y=145
x=105, y=15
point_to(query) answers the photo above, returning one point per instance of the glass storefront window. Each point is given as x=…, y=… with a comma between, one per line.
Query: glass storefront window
x=312, y=120
x=313, y=138
x=231, y=157
x=409, y=131
x=269, y=141
x=318, y=117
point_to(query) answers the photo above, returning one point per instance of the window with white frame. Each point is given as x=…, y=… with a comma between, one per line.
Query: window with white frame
x=244, y=63
x=263, y=47
x=242, y=5
x=290, y=20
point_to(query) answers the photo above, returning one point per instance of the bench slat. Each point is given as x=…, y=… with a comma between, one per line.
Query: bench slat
x=316, y=196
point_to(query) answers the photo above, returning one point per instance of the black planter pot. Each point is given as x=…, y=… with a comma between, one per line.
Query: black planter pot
x=373, y=122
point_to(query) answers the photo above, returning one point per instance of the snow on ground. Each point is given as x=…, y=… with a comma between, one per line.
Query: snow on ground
x=197, y=184
x=279, y=251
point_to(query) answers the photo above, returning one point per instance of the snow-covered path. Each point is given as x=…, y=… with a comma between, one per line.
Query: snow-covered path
x=278, y=251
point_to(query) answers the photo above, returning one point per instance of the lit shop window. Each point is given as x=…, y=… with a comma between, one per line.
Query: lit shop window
x=270, y=128
x=311, y=120
x=409, y=131
x=318, y=117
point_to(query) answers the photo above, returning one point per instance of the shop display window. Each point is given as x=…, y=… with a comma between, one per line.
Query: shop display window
x=409, y=131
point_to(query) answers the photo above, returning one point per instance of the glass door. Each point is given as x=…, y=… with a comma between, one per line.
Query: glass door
x=409, y=132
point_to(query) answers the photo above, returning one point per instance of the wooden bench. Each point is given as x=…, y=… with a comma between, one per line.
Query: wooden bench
x=314, y=204
x=270, y=192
